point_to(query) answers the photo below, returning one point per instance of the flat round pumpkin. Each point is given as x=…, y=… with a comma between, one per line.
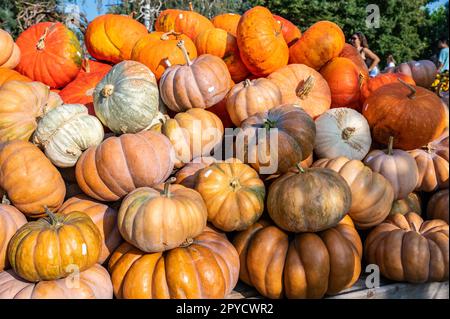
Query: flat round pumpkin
x=411, y=203
x=187, y=176
x=438, y=206
x=7, y=75
x=227, y=22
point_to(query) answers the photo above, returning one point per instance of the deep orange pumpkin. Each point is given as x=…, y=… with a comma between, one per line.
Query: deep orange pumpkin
x=290, y=31
x=227, y=22
x=350, y=52
x=7, y=75
x=372, y=84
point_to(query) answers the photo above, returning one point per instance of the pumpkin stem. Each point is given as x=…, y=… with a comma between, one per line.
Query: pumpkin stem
x=390, y=145
x=107, y=90
x=166, y=191
x=87, y=65
x=347, y=132
x=234, y=183
x=165, y=36
x=187, y=243
x=166, y=62
x=5, y=200
x=300, y=168
x=247, y=83
x=41, y=42
x=191, y=7
x=361, y=79
x=180, y=44
x=413, y=90
x=268, y=124
x=53, y=218
x=306, y=87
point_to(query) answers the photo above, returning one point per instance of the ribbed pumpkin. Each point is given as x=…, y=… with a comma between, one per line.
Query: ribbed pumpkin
x=10, y=54
x=350, y=52
x=250, y=97
x=233, y=193
x=121, y=164
x=21, y=104
x=111, y=37
x=423, y=72
x=220, y=109
x=93, y=283
x=308, y=199
x=65, y=132
x=438, y=206
x=7, y=75
x=206, y=267
x=372, y=84
x=103, y=216
x=413, y=115
x=408, y=249
x=126, y=100
x=302, y=85
x=193, y=133
x=342, y=132
x=199, y=83
x=222, y=44
x=51, y=54
x=308, y=265
x=372, y=194
x=323, y=41
x=296, y=134
x=227, y=22
x=261, y=43
x=187, y=176
x=290, y=31
x=411, y=203
x=29, y=178
x=161, y=218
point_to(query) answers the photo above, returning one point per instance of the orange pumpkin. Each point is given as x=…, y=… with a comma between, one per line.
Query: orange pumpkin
x=111, y=37
x=7, y=75
x=323, y=41
x=220, y=109
x=227, y=22
x=261, y=43
x=51, y=54
x=10, y=53
x=372, y=84
x=350, y=52
x=290, y=31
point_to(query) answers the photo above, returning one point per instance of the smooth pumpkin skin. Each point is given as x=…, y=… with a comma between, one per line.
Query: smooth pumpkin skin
x=308, y=265
x=320, y=43
x=207, y=268
x=413, y=119
x=103, y=216
x=187, y=176
x=372, y=194
x=411, y=203
x=290, y=31
x=250, y=97
x=29, y=178
x=438, y=206
x=7, y=75
x=11, y=220
x=308, y=200
x=52, y=247
x=372, y=84
x=350, y=52
x=260, y=40
x=234, y=195
x=94, y=283
x=220, y=109
x=10, y=55
x=111, y=37
x=423, y=72
x=408, y=249
x=51, y=54
x=227, y=22
x=121, y=164
x=302, y=85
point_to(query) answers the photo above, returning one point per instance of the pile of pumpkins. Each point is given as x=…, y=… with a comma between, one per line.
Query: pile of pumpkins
x=105, y=195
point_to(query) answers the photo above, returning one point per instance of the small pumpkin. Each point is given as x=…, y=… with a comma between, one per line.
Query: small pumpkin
x=423, y=72
x=438, y=206
x=290, y=31
x=372, y=84
x=411, y=203
x=350, y=52
x=408, y=249
x=227, y=22
x=342, y=132
x=7, y=75
x=10, y=55
x=187, y=176
x=209, y=260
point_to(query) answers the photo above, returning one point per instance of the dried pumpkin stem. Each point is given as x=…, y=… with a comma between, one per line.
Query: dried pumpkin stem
x=5, y=200
x=234, y=184
x=413, y=90
x=165, y=36
x=306, y=87
x=191, y=6
x=166, y=191
x=390, y=145
x=187, y=242
x=300, y=168
x=87, y=65
x=53, y=218
x=107, y=90
x=180, y=44
x=247, y=83
x=347, y=132
x=361, y=79
x=41, y=42
x=268, y=124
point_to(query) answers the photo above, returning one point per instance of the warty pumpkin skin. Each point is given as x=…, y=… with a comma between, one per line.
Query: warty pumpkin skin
x=234, y=195
x=411, y=203
x=308, y=199
x=29, y=178
x=309, y=265
x=7, y=75
x=52, y=247
x=111, y=37
x=323, y=41
x=206, y=268
x=200, y=83
x=423, y=72
x=227, y=22
x=260, y=40
x=10, y=54
x=119, y=165
x=93, y=283
x=438, y=206
x=350, y=52
x=51, y=54
x=187, y=176
x=302, y=85
x=290, y=31
x=372, y=194
x=250, y=97
x=103, y=216
x=413, y=115
x=408, y=249
x=372, y=84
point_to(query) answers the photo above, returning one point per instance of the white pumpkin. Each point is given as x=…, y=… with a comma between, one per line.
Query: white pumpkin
x=65, y=132
x=126, y=100
x=342, y=132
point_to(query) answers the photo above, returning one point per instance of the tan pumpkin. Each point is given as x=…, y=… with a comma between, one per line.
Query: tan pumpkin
x=372, y=194
x=10, y=53
x=411, y=203
x=438, y=206
x=187, y=176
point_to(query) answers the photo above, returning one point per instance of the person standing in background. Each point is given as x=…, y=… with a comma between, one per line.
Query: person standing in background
x=390, y=61
x=443, y=55
x=372, y=60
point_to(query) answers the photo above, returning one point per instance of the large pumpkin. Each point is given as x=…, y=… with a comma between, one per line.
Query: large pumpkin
x=308, y=199
x=307, y=265
x=302, y=85
x=227, y=21
x=111, y=37
x=233, y=193
x=411, y=203
x=342, y=132
x=413, y=115
x=29, y=178
x=280, y=150
x=423, y=72
x=202, y=82
x=372, y=84
x=437, y=207
x=350, y=52
x=323, y=41
x=53, y=247
x=261, y=43
x=408, y=249
x=51, y=54
x=372, y=194
x=290, y=31
x=93, y=283
x=10, y=54
x=103, y=216
x=187, y=176
x=121, y=164
x=206, y=267
x=250, y=97
x=7, y=75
